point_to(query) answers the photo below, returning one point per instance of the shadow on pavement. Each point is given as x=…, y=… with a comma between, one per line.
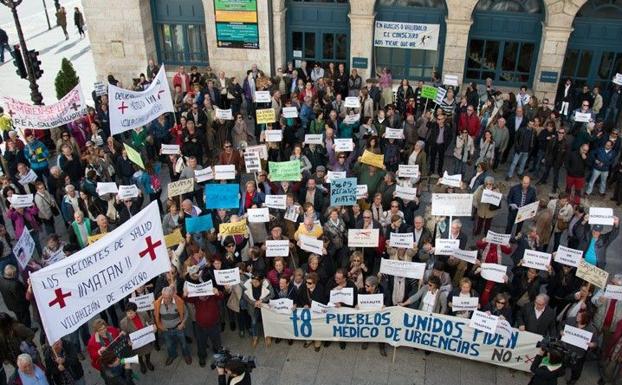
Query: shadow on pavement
x=80, y=53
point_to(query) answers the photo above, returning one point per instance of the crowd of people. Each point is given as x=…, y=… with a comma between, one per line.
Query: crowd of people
x=482, y=133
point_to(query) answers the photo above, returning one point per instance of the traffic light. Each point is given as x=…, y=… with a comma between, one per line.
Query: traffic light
x=19, y=62
x=35, y=63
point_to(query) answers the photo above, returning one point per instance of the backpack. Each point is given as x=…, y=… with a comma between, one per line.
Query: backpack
x=155, y=183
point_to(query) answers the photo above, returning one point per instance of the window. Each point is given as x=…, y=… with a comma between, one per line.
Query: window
x=504, y=61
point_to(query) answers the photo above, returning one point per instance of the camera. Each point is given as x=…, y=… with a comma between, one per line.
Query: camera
x=224, y=356
x=569, y=357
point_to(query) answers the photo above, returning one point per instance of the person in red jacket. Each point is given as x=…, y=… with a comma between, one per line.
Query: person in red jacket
x=182, y=79
x=208, y=321
x=102, y=336
x=469, y=121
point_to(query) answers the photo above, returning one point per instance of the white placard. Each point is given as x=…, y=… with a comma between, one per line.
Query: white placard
x=143, y=302
x=405, y=269
x=262, y=97
x=252, y=162
x=491, y=197
x=100, y=88
x=352, y=102
x=406, y=193
x=319, y=308
x=527, y=212
x=297, y=53
x=484, y=322
x=504, y=329
x=613, y=292
x=582, y=117
x=344, y=145
x=363, y=237
x=19, y=201
x=536, y=260
x=292, y=213
x=261, y=149
x=311, y=245
x=450, y=80
x=451, y=180
x=106, y=188
x=142, y=337
x=274, y=135
x=601, y=216
x=370, y=301
x=282, y=305
x=332, y=175
x=278, y=202
x=394, y=133
x=455, y=205
x=402, y=240
x=498, y=239
x=577, y=337
x=459, y=303
x=345, y=296
x=127, y=191
x=224, y=172
x=24, y=248
x=261, y=215
x=469, y=256
x=352, y=118
x=408, y=171
x=199, y=289
x=445, y=246
x=289, y=112
x=494, y=272
x=227, y=277
x=277, y=248
x=568, y=256
x=313, y=138
x=440, y=95
x=393, y=34
x=170, y=149
x=618, y=79
x=223, y=114
x=204, y=174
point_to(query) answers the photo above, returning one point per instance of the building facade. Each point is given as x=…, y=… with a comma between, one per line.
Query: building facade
x=514, y=42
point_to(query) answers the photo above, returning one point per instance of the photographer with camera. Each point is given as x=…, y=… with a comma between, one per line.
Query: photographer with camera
x=583, y=321
x=234, y=372
x=547, y=366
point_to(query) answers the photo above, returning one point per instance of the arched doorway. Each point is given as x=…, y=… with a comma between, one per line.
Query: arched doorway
x=594, y=53
x=413, y=64
x=318, y=32
x=179, y=29
x=504, y=41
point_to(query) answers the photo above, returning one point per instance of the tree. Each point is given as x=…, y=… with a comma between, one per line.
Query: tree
x=66, y=79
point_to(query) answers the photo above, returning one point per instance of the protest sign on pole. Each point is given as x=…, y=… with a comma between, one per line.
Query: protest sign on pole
x=266, y=116
x=180, y=187
x=363, y=237
x=252, y=162
x=592, y=274
x=143, y=302
x=277, y=248
x=222, y=196
x=227, y=277
x=453, y=205
x=497, y=238
x=527, y=212
x=397, y=268
x=24, y=248
x=440, y=95
x=343, y=192
x=285, y=171
x=428, y=92
x=601, y=216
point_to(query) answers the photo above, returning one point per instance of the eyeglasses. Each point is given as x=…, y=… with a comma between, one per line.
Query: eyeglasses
x=501, y=302
x=309, y=282
x=586, y=105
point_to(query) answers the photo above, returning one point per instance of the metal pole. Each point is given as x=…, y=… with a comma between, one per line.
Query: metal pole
x=47, y=17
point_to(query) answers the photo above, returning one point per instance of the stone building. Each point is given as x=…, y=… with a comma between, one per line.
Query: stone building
x=514, y=42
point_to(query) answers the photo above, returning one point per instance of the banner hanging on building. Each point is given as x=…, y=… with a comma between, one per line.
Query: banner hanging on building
x=75, y=289
x=27, y=116
x=131, y=109
x=400, y=326
x=406, y=35
x=236, y=24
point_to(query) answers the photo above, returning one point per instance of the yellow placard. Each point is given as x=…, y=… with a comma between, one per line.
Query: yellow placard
x=592, y=274
x=236, y=17
x=237, y=228
x=96, y=237
x=266, y=115
x=376, y=160
x=174, y=238
x=182, y=186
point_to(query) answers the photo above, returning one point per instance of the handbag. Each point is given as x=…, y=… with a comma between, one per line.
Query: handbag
x=561, y=224
x=53, y=208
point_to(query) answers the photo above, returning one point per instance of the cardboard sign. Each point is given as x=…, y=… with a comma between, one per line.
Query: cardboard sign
x=428, y=92
x=261, y=149
x=536, y=260
x=577, y=337
x=345, y=296
x=222, y=196
x=459, y=303
x=199, y=289
x=285, y=171
x=127, y=192
x=292, y=213
x=352, y=102
x=224, y=172
x=361, y=191
x=227, y=277
x=94, y=238
x=134, y=156
x=450, y=80
x=491, y=197
x=19, y=201
x=363, y=237
x=618, y=79
x=592, y=274
x=405, y=193
x=446, y=246
x=24, y=248
x=261, y=215
x=262, y=97
x=332, y=175
x=454, y=205
x=252, y=162
x=143, y=302
x=568, y=256
x=170, y=149
x=266, y=116
x=195, y=225
x=312, y=245
x=278, y=202
x=402, y=240
x=343, y=145
x=498, y=239
x=414, y=270
x=376, y=160
x=484, y=322
x=282, y=305
x=494, y=272
x=100, y=88
x=274, y=135
x=440, y=95
x=142, y=337
x=469, y=256
x=174, y=238
x=601, y=216
x=204, y=174
x=289, y=112
x=451, y=180
x=582, y=117
x=182, y=186
x=277, y=248
x=343, y=192
x=104, y=188
x=314, y=139
x=223, y=114
x=613, y=292
x=370, y=301
x=236, y=228
x=408, y=171
x=394, y=133
x=527, y=212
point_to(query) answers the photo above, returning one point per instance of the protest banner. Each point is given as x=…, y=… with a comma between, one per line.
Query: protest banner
x=582, y=117
x=289, y=112
x=227, y=277
x=527, y=212
x=224, y=172
x=314, y=138
x=182, y=186
x=376, y=160
x=204, y=174
x=21, y=200
x=397, y=268
x=260, y=215
x=252, y=162
x=262, y=97
x=577, y=337
x=222, y=196
x=466, y=255
x=459, y=303
x=343, y=145
x=274, y=135
x=370, y=301
x=344, y=296
x=94, y=238
x=143, y=302
x=363, y=237
x=450, y=80
x=491, y=197
x=174, y=238
x=170, y=149
x=361, y=191
x=278, y=202
x=235, y=228
x=351, y=118
x=142, y=337
x=400, y=326
x=277, y=248
x=265, y=116
x=331, y=175
x=408, y=171
x=24, y=116
x=131, y=109
x=394, y=34
x=601, y=216
x=498, y=239
x=451, y=180
x=128, y=191
x=352, y=102
x=311, y=244
x=282, y=305
x=402, y=240
x=394, y=133
x=71, y=291
x=405, y=193
x=134, y=156
x=453, y=205
x=100, y=88
x=446, y=246
x=536, y=260
x=440, y=95
x=568, y=256
x=613, y=292
x=343, y=192
x=199, y=289
x=285, y=171
x=484, y=322
x=24, y=248
x=104, y=188
x=428, y=92
x=223, y=114
x=592, y=274
x=195, y=225
x=494, y=272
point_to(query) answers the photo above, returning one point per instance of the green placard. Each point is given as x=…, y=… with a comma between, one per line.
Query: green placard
x=359, y=62
x=285, y=171
x=235, y=5
x=429, y=92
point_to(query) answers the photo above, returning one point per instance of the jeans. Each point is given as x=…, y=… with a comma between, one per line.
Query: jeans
x=437, y=150
x=603, y=181
x=459, y=167
x=255, y=316
x=510, y=224
x=520, y=159
x=612, y=112
x=202, y=334
x=545, y=176
x=171, y=337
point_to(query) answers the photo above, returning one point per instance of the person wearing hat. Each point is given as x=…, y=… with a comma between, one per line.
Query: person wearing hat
x=594, y=242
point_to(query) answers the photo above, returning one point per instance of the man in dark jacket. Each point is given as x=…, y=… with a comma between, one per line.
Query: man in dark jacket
x=514, y=122
x=593, y=242
x=522, y=147
x=14, y=295
x=340, y=282
x=554, y=157
x=537, y=317
x=440, y=136
x=603, y=160
x=576, y=166
x=519, y=195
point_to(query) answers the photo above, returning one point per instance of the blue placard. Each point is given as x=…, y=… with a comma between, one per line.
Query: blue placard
x=222, y=196
x=199, y=224
x=549, y=76
x=343, y=192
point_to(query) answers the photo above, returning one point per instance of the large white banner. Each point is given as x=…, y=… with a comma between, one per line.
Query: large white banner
x=77, y=288
x=71, y=107
x=400, y=326
x=393, y=34
x=131, y=109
